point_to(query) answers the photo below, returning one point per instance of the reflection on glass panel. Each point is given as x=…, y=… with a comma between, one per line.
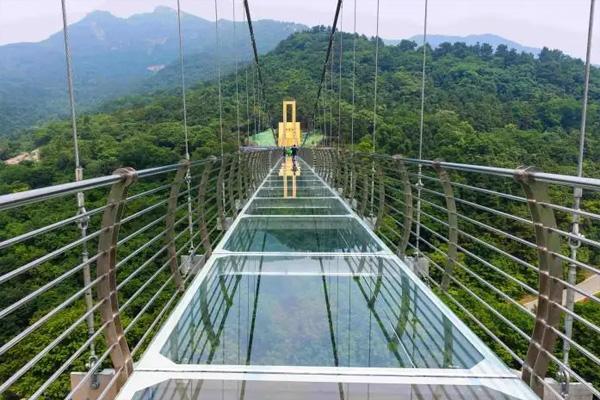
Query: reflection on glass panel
x=297, y=207
x=315, y=311
x=306, y=234
x=305, y=183
x=306, y=176
x=289, y=170
x=281, y=390
x=300, y=192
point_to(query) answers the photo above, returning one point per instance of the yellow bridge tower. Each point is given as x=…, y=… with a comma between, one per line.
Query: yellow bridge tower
x=289, y=131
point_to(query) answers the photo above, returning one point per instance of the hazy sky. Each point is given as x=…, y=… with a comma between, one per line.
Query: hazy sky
x=554, y=23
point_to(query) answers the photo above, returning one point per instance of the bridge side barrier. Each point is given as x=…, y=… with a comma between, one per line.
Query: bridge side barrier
x=148, y=245
x=494, y=243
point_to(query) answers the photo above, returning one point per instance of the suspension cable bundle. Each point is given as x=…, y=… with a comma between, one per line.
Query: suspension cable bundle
x=258, y=69
x=326, y=62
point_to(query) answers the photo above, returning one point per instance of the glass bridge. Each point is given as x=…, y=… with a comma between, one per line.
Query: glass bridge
x=300, y=300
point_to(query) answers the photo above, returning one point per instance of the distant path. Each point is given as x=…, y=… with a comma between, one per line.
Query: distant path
x=590, y=285
x=265, y=139
x=262, y=139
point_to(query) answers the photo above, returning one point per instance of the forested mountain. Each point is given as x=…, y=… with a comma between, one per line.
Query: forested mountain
x=471, y=40
x=483, y=105
x=498, y=107
x=115, y=56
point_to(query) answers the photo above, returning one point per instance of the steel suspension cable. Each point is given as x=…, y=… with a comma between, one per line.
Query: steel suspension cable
x=247, y=106
x=188, y=175
x=376, y=79
x=340, y=34
x=331, y=96
x=421, y=124
x=258, y=68
x=353, y=79
x=237, y=84
x=577, y=194
x=218, y=63
x=254, y=100
x=182, y=74
x=83, y=221
x=374, y=135
x=326, y=62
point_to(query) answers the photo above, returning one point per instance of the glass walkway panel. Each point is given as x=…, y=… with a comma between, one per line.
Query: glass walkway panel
x=301, y=300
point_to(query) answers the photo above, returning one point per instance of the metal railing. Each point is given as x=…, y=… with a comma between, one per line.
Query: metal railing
x=494, y=244
x=150, y=232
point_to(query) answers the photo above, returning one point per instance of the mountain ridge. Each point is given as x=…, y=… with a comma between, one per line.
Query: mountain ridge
x=113, y=57
x=435, y=40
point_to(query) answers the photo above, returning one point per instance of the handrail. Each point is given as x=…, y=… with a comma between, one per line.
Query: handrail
x=569, y=180
x=140, y=245
x=18, y=199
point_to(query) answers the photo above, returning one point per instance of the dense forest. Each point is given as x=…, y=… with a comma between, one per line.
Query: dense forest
x=495, y=107
x=483, y=105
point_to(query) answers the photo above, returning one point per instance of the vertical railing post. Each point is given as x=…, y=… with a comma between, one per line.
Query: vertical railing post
x=240, y=178
x=364, y=200
x=548, y=313
x=206, y=173
x=328, y=166
x=106, y=268
x=323, y=163
x=452, y=223
x=231, y=181
x=353, y=179
x=221, y=193
x=180, y=175
x=345, y=164
x=408, y=207
x=252, y=168
x=337, y=168
x=318, y=162
x=381, y=193
x=247, y=174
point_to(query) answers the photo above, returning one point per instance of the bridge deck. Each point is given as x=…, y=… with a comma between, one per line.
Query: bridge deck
x=302, y=300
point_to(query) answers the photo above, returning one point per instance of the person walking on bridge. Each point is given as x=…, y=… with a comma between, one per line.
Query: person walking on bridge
x=294, y=152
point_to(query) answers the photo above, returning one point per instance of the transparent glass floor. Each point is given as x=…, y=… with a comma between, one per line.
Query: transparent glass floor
x=295, y=206
x=237, y=389
x=315, y=311
x=301, y=191
x=268, y=234
x=301, y=300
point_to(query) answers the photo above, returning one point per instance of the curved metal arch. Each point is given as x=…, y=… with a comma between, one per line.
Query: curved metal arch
x=547, y=317
x=179, y=179
x=106, y=267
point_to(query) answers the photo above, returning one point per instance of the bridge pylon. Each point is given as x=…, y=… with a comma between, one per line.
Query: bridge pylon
x=289, y=131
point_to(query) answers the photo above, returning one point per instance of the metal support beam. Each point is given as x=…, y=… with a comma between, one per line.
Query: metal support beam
x=106, y=267
x=381, y=193
x=452, y=223
x=204, y=236
x=408, y=207
x=221, y=193
x=364, y=200
x=231, y=183
x=547, y=317
x=170, y=222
